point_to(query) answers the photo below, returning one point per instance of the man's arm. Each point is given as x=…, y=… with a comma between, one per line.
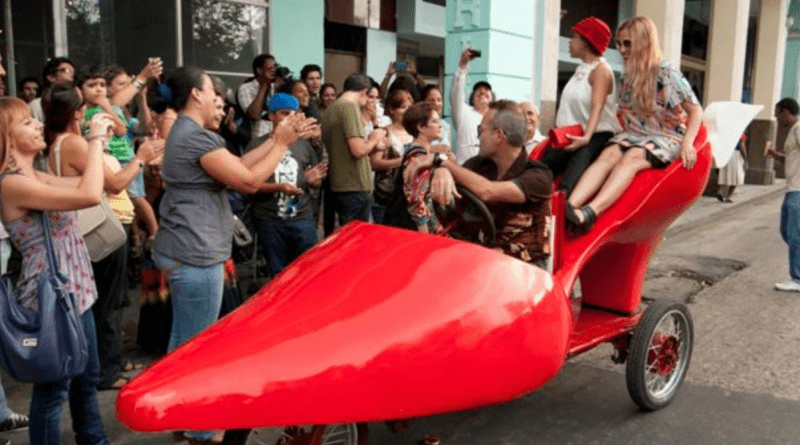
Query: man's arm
x=360, y=148
x=485, y=189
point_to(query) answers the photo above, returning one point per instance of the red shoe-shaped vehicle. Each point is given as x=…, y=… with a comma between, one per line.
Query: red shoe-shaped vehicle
x=378, y=323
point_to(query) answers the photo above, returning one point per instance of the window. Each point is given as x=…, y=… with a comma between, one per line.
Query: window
x=225, y=36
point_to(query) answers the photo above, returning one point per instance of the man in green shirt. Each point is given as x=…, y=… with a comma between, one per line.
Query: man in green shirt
x=349, y=170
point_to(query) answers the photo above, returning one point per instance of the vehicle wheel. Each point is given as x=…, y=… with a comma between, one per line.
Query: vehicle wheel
x=339, y=434
x=659, y=354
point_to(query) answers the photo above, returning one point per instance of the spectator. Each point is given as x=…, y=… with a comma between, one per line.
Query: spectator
x=70, y=151
x=283, y=207
x=732, y=174
x=786, y=113
x=432, y=95
x=300, y=91
x=370, y=114
x=327, y=96
x=196, y=233
x=28, y=196
x=237, y=136
x=406, y=78
x=311, y=75
x=343, y=135
x=385, y=162
x=29, y=89
x=253, y=96
x=466, y=119
x=95, y=93
x=534, y=136
x=57, y=69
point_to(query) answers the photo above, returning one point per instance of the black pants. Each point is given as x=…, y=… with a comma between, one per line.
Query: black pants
x=110, y=276
x=573, y=163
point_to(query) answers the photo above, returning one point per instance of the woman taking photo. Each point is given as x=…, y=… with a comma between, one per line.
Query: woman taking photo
x=196, y=232
x=68, y=157
x=27, y=196
x=588, y=99
x=654, y=102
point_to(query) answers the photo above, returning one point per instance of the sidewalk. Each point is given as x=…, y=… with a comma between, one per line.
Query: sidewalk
x=705, y=210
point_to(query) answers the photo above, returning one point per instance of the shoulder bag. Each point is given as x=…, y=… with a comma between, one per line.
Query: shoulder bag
x=102, y=232
x=47, y=345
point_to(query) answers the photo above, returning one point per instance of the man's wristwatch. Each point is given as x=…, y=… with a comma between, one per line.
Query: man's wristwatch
x=438, y=159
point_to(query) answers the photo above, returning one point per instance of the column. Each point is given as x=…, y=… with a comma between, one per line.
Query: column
x=726, y=50
x=503, y=31
x=767, y=82
x=297, y=33
x=549, y=18
x=668, y=17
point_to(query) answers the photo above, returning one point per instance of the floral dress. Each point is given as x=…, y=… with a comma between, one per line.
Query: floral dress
x=662, y=132
x=27, y=234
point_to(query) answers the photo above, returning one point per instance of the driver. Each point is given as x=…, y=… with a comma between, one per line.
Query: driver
x=516, y=190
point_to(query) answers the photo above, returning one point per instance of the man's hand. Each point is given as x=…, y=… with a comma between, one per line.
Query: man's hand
x=443, y=187
x=415, y=165
x=465, y=58
x=315, y=174
x=289, y=189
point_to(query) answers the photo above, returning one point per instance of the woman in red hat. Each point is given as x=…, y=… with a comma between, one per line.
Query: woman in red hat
x=588, y=99
x=655, y=104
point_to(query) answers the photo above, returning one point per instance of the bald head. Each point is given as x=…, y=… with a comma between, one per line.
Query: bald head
x=528, y=109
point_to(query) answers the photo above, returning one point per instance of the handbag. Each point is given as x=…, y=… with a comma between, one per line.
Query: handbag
x=102, y=232
x=48, y=344
x=384, y=180
x=558, y=135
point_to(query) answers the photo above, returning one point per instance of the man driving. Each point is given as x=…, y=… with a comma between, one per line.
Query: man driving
x=515, y=189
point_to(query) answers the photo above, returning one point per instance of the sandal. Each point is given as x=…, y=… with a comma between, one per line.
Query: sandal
x=131, y=366
x=116, y=386
x=589, y=218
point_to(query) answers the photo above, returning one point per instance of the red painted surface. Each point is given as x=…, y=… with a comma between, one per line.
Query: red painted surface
x=595, y=327
x=378, y=323
x=374, y=323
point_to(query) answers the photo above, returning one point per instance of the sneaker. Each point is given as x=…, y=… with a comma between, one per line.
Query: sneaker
x=14, y=422
x=788, y=286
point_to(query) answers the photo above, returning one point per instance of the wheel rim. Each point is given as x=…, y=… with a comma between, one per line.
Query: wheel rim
x=341, y=434
x=667, y=355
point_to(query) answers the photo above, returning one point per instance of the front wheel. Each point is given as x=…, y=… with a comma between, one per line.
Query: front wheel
x=659, y=354
x=340, y=434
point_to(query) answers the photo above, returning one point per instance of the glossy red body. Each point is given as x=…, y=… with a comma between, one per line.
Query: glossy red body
x=378, y=323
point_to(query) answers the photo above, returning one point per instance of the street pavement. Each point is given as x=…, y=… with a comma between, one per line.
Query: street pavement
x=743, y=385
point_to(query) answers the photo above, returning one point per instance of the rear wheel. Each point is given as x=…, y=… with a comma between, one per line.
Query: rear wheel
x=659, y=356
x=339, y=434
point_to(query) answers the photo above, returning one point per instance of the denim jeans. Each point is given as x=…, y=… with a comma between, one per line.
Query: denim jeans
x=196, y=299
x=790, y=231
x=351, y=205
x=284, y=241
x=45, y=414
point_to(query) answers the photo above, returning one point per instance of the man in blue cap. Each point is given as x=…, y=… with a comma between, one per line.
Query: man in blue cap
x=282, y=208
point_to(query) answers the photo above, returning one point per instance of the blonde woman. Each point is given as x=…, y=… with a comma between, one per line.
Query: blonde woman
x=655, y=101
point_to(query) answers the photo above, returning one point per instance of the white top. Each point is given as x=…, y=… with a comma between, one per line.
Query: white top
x=792, y=150
x=576, y=101
x=537, y=138
x=465, y=119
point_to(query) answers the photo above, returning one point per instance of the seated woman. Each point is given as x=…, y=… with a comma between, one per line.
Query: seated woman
x=588, y=99
x=654, y=103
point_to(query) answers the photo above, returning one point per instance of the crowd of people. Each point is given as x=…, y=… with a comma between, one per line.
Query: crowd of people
x=169, y=151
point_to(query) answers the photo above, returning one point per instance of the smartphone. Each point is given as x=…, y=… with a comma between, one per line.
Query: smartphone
x=400, y=65
x=474, y=53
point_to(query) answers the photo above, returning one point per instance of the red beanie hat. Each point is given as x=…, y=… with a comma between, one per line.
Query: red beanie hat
x=595, y=31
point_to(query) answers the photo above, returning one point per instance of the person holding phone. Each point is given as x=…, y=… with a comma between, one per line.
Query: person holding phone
x=406, y=78
x=467, y=117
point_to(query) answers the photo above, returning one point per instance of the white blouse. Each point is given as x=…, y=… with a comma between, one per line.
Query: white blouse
x=576, y=101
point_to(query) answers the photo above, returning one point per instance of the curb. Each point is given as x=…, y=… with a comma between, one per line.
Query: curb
x=677, y=229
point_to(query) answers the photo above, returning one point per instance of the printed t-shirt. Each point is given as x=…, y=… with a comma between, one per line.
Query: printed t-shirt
x=119, y=146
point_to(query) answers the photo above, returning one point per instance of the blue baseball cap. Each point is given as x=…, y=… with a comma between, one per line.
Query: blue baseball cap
x=283, y=101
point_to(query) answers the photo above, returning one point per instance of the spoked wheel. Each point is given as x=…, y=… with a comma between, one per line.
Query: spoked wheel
x=659, y=354
x=339, y=434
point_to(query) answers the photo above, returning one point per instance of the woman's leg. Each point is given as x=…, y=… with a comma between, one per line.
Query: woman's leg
x=620, y=178
x=87, y=423
x=595, y=176
x=581, y=160
x=45, y=414
x=196, y=299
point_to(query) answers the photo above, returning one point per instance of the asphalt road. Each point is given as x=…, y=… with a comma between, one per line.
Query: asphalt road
x=743, y=386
